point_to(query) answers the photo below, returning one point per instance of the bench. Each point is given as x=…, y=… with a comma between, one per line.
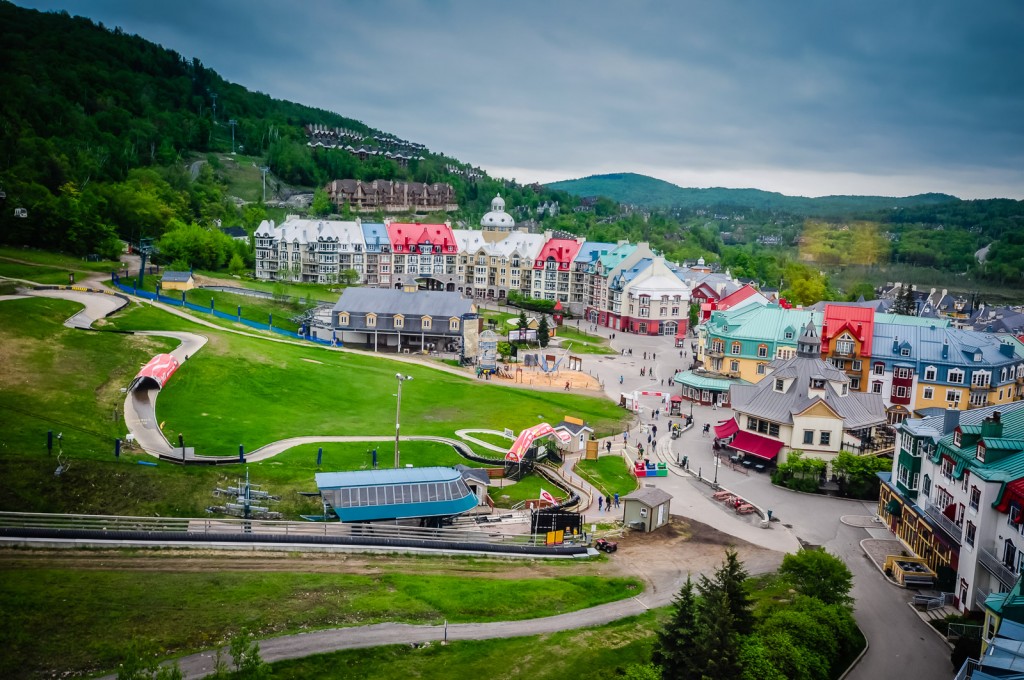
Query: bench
x=746, y=509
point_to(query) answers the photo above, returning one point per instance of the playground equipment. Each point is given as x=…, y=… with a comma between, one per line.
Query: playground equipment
x=521, y=456
x=646, y=468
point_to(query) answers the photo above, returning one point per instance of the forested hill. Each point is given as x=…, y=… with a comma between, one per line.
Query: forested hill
x=649, y=192
x=99, y=131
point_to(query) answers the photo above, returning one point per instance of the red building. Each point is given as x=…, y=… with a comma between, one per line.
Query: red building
x=552, y=271
x=424, y=255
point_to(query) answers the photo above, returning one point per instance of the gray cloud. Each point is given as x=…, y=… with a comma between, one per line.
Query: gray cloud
x=807, y=97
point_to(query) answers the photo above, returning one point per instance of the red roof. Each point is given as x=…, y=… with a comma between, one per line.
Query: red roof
x=403, y=235
x=858, y=321
x=726, y=428
x=1014, y=492
x=561, y=250
x=558, y=306
x=756, y=445
x=737, y=296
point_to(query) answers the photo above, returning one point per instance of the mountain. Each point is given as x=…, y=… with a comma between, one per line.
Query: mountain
x=650, y=192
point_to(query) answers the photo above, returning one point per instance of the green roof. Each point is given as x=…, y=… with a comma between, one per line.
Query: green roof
x=614, y=258
x=702, y=382
x=903, y=320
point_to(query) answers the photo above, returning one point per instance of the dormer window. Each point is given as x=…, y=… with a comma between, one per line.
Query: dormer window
x=904, y=351
x=399, y=321
x=371, y=319
x=817, y=383
x=977, y=356
x=780, y=384
x=957, y=438
x=426, y=323
x=343, y=319
x=980, y=455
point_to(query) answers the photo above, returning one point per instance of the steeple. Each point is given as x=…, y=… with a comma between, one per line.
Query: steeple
x=809, y=344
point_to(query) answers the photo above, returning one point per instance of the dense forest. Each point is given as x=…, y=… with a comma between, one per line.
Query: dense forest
x=107, y=137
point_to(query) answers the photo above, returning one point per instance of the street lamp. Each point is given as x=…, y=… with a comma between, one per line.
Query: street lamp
x=398, y=411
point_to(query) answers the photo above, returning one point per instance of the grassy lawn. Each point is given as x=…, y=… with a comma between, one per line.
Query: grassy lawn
x=60, y=261
x=101, y=610
x=603, y=652
x=506, y=494
x=496, y=439
x=245, y=390
x=305, y=291
x=31, y=272
x=608, y=474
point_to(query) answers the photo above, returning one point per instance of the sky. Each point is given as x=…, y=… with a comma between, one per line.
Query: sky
x=802, y=97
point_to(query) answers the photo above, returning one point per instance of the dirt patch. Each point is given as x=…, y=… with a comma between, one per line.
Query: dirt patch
x=577, y=380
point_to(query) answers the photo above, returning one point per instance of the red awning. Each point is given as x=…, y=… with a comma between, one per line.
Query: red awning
x=726, y=428
x=756, y=445
x=676, y=397
x=1013, y=493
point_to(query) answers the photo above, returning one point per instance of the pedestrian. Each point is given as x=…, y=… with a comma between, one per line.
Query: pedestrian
x=620, y=379
x=654, y=357
x=600, y=503
x=641, y=371
x=648, y=440
x=654, y=430
x=616, y=499
x=645, y=356
x=608, y=446
x=630, y=351
x=662, y=382
x=566, y=385
x=608, y=502
x=715, y=406
x=680, y=354
x=625, y=436
x=652, y=413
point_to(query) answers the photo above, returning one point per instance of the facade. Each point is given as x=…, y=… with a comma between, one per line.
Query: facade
x=389, y=494
x=553, y=272
x=391, y=320
x=646, y=509
x=377, y=247
x=423, y=255
x=742, y=343
x=846, y=336
x=387, y=196
x=805, y=403
x=956, y=497
x=309, y=251
x=653, y=300
x=496, y=259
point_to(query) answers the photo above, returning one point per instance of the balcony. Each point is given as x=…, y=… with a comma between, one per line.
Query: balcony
x=947, y=525
x=995, y=566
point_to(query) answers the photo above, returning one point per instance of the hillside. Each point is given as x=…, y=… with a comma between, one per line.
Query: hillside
x=650, y=192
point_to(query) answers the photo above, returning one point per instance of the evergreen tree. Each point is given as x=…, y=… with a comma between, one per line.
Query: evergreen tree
x=543, y=334
x=675, y=650
x=730, y=578
x=522, y=324
x=717, y=646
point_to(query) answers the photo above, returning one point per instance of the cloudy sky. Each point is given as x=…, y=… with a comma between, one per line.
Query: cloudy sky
x=806, y=98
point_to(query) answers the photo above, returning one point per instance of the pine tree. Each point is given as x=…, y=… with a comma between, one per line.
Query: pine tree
x=717, y=645
x=543, y=334
x=730, y=579
x=675, y=650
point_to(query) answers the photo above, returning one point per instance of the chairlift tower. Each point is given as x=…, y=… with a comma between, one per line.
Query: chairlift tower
x=146, y=248
x=233, y=123
x=213, y=96
x=264, y=169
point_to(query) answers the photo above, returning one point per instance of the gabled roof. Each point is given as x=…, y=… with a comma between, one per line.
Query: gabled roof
x=561, y=250
x=733, y=299
x=176, y=277
x=436, y=304
x=859, y=322
x=649, y=495
x=591, y=251
x=406, y=234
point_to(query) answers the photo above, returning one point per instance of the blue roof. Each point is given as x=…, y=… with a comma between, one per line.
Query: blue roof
x=375, y=234
x=590, y=251
x=355, y=478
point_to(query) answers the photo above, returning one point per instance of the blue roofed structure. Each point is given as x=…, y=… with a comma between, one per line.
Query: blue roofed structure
x=390, y=494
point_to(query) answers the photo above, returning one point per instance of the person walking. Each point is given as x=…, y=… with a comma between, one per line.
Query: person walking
x=616, y=499
x=600, y=503
x=608, y=502
x=654, y=430
x=620, y=379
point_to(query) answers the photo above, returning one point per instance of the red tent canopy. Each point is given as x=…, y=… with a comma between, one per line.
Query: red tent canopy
x=726, y=428
x=756, y=445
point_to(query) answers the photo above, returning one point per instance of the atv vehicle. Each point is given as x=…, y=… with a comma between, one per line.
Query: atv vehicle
x=604, y=545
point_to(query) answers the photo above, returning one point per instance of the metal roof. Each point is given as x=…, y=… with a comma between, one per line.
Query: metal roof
x=649, y=495
x=356, y=478
x=386, y=301
x=176, y=277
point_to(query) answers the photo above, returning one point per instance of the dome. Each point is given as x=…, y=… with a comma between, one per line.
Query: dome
x=497, y=218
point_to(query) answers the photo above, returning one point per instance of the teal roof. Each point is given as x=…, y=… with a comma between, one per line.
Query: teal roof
x=337, y=480
x=701, y=382
x=615, y=257
x=1004, y=469
x=767, y=323
x=904, y=320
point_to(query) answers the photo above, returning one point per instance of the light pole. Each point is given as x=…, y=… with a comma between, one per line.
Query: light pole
x=398, y=411
x=264, y=170
x=233, y=123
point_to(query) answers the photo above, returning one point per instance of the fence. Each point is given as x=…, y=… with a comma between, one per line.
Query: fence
x=237, y=318
x=171, y=530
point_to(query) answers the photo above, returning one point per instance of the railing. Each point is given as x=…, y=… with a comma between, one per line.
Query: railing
x=970, y=665
x=963, y=630
x=980, y=595
x=995, y=567
x=212, y=527
x=946, y=524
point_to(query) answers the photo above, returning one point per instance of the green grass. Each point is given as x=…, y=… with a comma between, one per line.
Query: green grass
x=61, y=261
x=31, y=272
x=496, y=439
x=507, y=495
x=608, y=474
x=602, y=652
x=101, y=610
x=245, y=390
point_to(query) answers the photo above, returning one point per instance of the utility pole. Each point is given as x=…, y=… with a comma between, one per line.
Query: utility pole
x=213, y=96
x=264, y=171
x=398, y=411
x=233, y=123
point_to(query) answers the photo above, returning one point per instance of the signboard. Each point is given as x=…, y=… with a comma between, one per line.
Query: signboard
x=524, y=335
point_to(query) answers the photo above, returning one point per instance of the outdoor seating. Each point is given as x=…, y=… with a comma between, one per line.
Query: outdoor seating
x=722, y=496
x=746, y=509
x=747, y=463
x=759, y=467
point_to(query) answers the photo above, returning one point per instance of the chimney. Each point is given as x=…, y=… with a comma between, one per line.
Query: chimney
x=945, y=348
x=950, y=420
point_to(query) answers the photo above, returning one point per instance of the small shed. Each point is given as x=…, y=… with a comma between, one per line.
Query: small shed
x=646, y=509
x=578, y=430
x=177, y=281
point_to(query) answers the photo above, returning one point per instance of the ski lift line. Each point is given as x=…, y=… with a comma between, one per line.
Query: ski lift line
x=62, y=423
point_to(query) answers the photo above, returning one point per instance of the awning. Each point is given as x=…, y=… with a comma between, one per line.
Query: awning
x=756, y=445
x=676, y=398
x=1012, y=492
x=894, y=507
x=725, y=428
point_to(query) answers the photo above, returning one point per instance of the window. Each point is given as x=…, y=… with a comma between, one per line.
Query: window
x=899, y=391
x=399, y=321
x=427, y=323
x=956, y=377
x=903, y=373
x=905, y=352
x=981, y=378
x=969, y=533
x=760, y=369
x=927, y=488
x=779, y=384
x=808, y=436
x=855, y=384
x=453, y=324
x=824, y=438
x=953, y=397
x=844, y=347
x=929, y=373
x=975, y=498
x=371, y=319
x=928, y=393
x=876, y=387
x=947, y=468
x=343, y=319
x=879, y=369
x=789, y=334
x=903, y=476
x=734, y=366
x=734, y=348
x=857, y=364
x=762, y=351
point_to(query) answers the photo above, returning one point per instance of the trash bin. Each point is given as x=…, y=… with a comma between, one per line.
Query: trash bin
x=769, y=515
x=685, y=462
